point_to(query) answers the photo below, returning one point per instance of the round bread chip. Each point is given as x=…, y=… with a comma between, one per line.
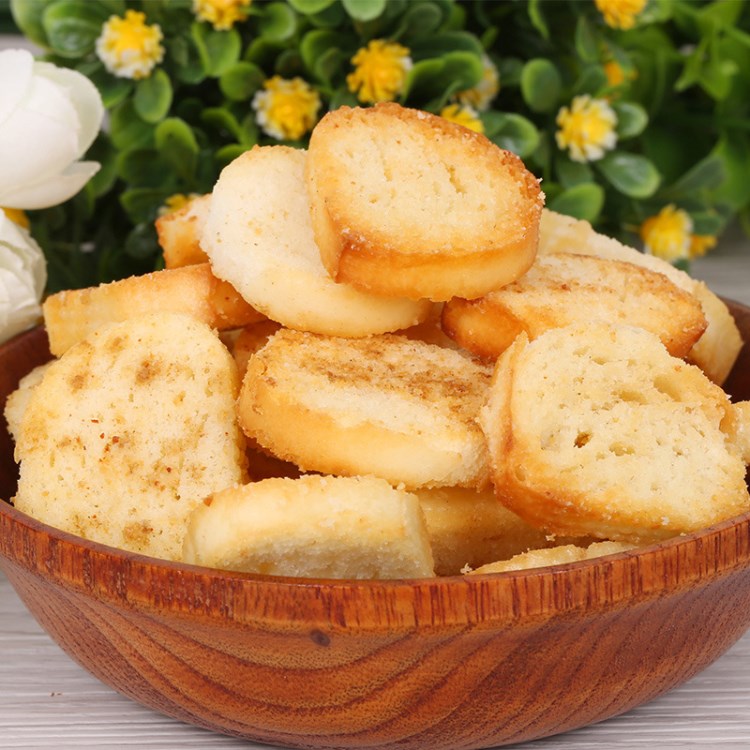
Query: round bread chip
x=259, y=238
x=406, y=203
x=596, y=430
x=314, y=526
x=128, y=431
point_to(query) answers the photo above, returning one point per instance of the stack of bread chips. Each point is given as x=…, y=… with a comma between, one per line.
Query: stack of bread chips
x=438, y=376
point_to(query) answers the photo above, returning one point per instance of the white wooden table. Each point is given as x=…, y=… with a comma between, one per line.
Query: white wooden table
x=48, y=701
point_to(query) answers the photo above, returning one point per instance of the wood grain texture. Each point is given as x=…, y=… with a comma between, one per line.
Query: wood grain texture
x=443, y=663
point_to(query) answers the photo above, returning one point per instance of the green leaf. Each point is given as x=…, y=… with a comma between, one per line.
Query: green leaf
x=103, y=152
x=447, y=42
x=733, y=151
x=323, y=52
x=177, y=146
x=112, y=89
x=536, y=16
x=364, y=10
x=127, y=130
x=584, y=201
x=438, y=78
x=419, y=19
x=632, y=174
x=28, y=16
x=153, y=96
x=632, y=119
x=241, y=81
x=73, y=26
x=512, y=132
x=707, y=174
x=571, y=173
x=586, y=40
x=310, y=6
x=541, y=85
x=223, y=121
x=142, y=204
x=592, y=80
x=218, y=50
x=140, y=167
x=229, y=153
x=142, y=241
x=278, y=22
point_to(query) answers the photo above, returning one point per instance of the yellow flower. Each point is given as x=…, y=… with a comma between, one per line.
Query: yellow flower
x=175, y=202
x=480, y=96
x=463, y=115
x=17, y=216
x=587, y=128
x=620, y=14
x=700, y=244
x=380, y=71
x=286, y=109
x=668, y=234
x=221, y=14
x=128, y=47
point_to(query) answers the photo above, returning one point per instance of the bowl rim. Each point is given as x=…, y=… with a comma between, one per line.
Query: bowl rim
x=613, y=580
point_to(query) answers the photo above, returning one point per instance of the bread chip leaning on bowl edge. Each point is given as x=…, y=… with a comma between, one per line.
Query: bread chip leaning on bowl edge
x=469, y=662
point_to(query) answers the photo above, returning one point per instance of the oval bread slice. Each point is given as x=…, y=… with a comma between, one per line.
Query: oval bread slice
x=314, y=526
x=405, y=203
x=383, y=405
x=564, y=288
x=179, y=233
x=128, y=431
x=259, y=238
x=596, y=430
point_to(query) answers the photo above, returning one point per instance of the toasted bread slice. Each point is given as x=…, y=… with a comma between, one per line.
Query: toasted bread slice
x=596, y=430
x=406, y=203
x=383, y=405
x=314, y=526
x=740, y=427
x=717, y=349
x=249, y=339
x=564, y=553
x=129, y=431
x=259, y=238
x=469, y=529
x=563, y=288
x=70, y=316
x=179, y=233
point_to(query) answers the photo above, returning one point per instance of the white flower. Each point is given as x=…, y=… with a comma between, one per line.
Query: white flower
x=49, y=116
x=23, y=274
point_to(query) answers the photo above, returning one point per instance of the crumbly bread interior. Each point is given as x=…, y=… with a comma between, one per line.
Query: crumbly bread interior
x=179, y=233
x=70, y=316
x=259, y=238
x=717, y=349
x=314, y=526
x=382, y=405
x=740, y=428
x=564, y=288
x=406, y=203
x=564, y=553
x=18, y=400
x=596, y=430
x=129, y=431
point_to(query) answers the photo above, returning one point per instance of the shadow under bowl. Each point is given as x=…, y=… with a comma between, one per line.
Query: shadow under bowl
x=443, y=663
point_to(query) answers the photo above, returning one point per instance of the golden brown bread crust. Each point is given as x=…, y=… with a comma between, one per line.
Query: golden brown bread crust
x=179, y=233
x=596, y=430
x=72, y=315
x=405, y=203
x=383, y=405
x=563, y=288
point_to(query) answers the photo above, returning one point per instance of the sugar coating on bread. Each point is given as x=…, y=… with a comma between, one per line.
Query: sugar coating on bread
x=469, y=529
x=70, y=316
x=129, y=431
x=259, y=238
x=314, y=526
x=564, y=288
x=406, y=203
x=542, y=558
x=595, y=429
x=179, y=233
x=716, y=350
x=383, y=405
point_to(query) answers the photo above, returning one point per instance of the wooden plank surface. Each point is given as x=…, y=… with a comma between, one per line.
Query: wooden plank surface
x=48, y=701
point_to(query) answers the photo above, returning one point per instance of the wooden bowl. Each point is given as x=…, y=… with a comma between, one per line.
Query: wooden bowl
x=441, y=663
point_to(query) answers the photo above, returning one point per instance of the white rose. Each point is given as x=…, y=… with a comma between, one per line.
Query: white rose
x=49, y=116
x=23, y=274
